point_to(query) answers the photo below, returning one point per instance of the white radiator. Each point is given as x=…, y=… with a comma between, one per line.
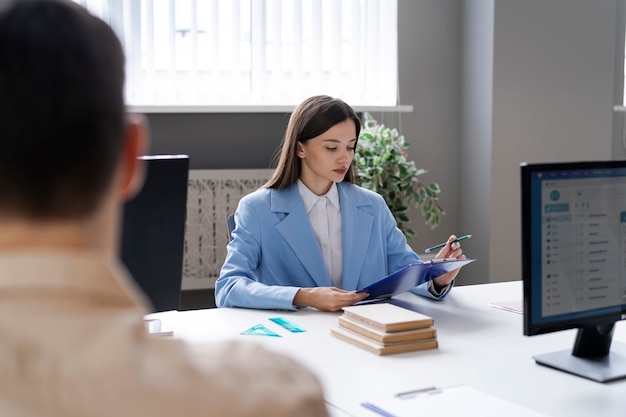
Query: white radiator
x=212, y=195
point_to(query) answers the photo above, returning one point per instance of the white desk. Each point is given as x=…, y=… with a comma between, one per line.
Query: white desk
x=479, y=345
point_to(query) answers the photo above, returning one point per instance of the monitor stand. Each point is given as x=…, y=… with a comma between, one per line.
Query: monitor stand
x=156, y=327
x=593, y=357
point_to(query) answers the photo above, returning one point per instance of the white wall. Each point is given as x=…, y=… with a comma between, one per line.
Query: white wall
x=553, y=65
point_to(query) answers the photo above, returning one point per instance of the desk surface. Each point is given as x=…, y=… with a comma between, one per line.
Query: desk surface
x=479, y=345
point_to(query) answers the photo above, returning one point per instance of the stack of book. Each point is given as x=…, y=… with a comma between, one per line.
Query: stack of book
x=386, y=328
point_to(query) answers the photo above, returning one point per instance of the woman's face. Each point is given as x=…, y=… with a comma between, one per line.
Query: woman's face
x=326, y=158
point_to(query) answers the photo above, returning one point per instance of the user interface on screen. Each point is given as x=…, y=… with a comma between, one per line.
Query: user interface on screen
x=582, y=237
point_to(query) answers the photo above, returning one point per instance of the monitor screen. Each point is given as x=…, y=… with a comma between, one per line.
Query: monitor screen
x=574, y=261
x=153, y=233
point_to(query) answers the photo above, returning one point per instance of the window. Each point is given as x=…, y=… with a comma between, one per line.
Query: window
x=255, y=52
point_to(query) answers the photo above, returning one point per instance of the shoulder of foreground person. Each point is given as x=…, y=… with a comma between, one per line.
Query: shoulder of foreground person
x=246, y=379
x=105, y=368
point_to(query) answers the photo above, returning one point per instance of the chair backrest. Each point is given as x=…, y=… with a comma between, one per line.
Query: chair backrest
x=230, y=225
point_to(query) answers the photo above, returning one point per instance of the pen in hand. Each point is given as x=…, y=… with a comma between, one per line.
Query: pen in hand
x=441, y=245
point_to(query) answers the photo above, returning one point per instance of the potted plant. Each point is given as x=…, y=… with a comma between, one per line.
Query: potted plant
x=381, y=165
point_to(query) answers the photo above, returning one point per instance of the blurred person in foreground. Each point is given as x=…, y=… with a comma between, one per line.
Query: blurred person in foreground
x=72, y=334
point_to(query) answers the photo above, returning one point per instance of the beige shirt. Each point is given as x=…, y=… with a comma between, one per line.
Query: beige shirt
x=73, y=343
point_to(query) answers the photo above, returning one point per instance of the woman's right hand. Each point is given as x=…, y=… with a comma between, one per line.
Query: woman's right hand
x=327, y=298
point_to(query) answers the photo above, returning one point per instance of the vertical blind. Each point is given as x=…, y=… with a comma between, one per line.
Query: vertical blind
x=256, y=52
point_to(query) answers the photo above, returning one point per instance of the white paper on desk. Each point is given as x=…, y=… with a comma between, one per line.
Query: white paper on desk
x=458, y=400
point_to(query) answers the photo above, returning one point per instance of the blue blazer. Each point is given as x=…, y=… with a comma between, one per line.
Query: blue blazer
x=273, y=252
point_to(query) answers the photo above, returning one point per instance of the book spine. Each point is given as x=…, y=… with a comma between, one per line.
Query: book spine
x=391, y=337
x=368, y=322
x=386, y=350
x=391, y=327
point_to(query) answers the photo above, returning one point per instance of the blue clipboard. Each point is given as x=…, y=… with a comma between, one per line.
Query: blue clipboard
x=411, y=276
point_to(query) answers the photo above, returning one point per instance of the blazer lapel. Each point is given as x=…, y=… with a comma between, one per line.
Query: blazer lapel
x=296, y=230
x=357, y=228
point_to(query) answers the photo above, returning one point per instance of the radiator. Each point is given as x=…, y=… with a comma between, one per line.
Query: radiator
x=212, y=195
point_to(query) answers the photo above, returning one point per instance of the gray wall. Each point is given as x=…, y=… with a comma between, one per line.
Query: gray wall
x=220, y=140
x=552, y=90
x=493, y=83
x=475, y=142
x=429, y=73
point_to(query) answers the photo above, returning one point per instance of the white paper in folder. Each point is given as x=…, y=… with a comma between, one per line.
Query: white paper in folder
x=457, y=400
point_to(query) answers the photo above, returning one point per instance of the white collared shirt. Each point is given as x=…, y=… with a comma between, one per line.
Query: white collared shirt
x=324, y=213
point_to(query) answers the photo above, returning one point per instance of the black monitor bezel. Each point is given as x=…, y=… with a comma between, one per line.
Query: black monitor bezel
x=595, y=317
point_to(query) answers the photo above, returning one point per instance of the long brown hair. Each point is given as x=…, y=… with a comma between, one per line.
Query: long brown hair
x=310, y=119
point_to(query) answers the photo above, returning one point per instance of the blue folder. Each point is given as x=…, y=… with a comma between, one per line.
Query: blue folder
x=411, y=276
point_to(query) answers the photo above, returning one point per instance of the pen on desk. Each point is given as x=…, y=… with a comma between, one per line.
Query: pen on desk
x=415, y=392
x=377, y=409
x=441, y=245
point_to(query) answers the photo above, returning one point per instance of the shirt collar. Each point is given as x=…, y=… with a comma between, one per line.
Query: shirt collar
x=96, y=279
x=310, y=198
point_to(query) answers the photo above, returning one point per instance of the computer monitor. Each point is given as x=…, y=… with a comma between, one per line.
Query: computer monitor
x=153, y=233
x=574, y=261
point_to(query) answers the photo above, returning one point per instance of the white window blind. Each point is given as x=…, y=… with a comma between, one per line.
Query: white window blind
x=255, y=52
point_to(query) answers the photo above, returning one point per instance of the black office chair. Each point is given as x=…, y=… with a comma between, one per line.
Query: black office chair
x=153, y=233
x=230, y=225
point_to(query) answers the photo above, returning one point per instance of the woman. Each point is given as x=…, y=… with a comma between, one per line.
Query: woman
x=310, y=236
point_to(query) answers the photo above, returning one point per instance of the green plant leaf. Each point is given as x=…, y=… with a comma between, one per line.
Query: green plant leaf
x=433, y=186
x=381, y=164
